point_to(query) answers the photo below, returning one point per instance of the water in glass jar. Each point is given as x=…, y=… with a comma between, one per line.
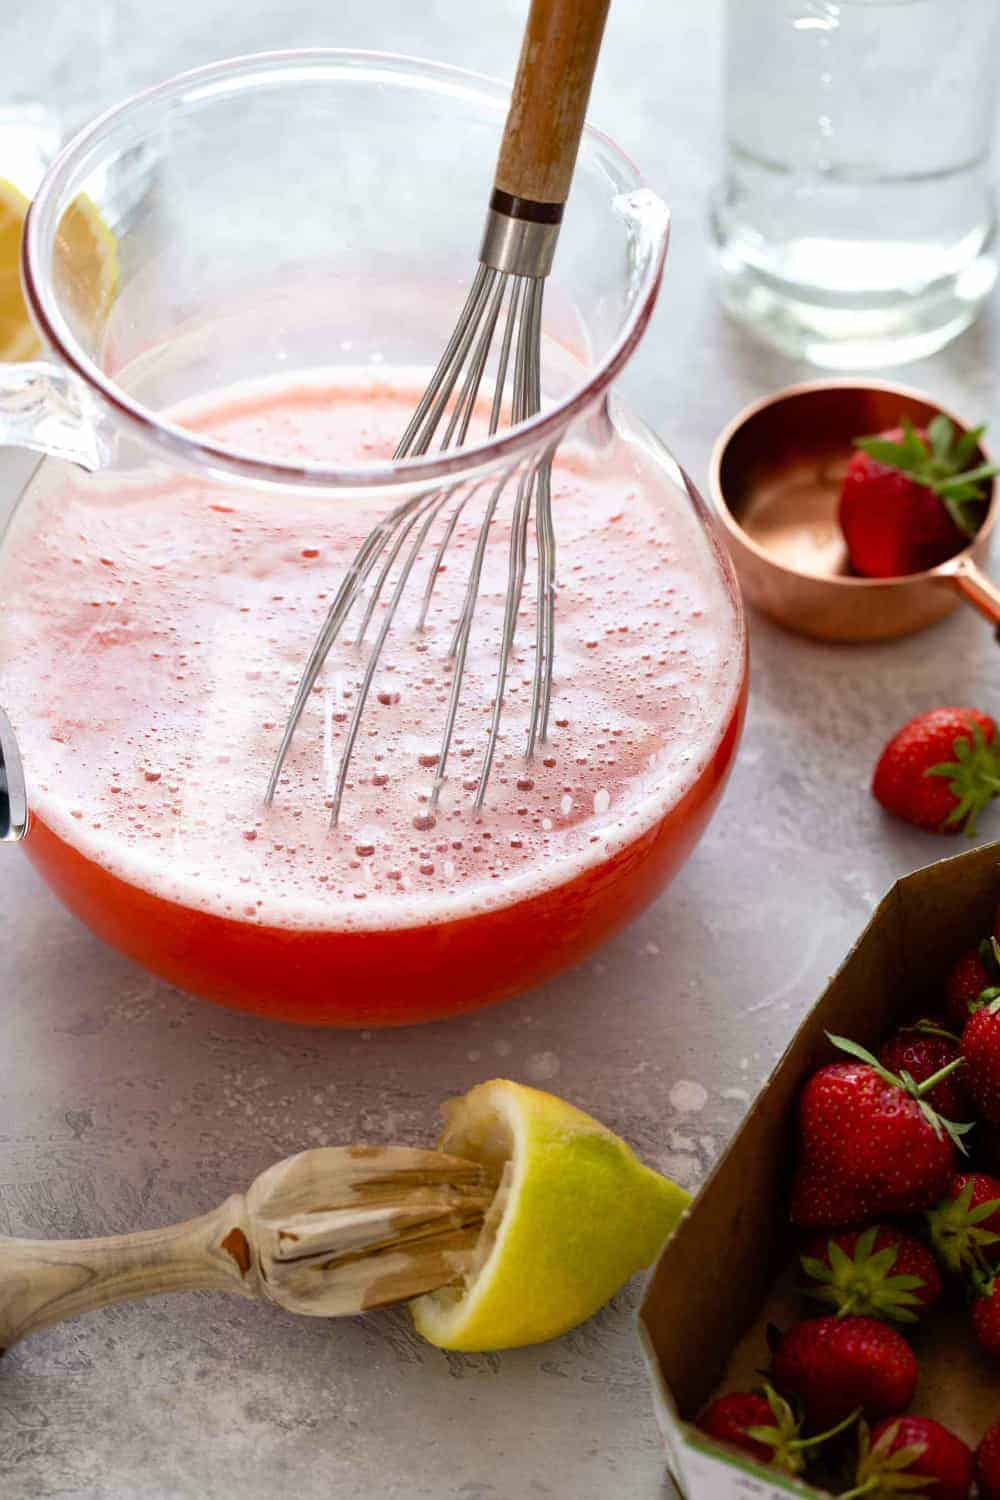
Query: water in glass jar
x=855, y=222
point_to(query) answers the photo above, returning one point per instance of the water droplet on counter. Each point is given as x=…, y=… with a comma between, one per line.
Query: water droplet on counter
x=688, y=1096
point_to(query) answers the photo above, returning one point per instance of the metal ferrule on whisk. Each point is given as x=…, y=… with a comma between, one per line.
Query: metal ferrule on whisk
x=520, y=235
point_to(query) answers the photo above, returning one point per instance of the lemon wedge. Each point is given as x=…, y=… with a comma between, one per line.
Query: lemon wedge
x=84, y=267
x=575, y=1215
x=18, y=339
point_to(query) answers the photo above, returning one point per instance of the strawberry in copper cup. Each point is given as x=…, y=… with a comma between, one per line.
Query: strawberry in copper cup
x=913, y=497
x=857, y=511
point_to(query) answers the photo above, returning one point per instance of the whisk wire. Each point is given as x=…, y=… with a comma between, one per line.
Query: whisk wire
x=518, y=538
x=466, y=403
x=433, y=502
x=374, y=655
x=545, y=536
x=496, y=298
x=460, y=640
x=346, y=594
x=494, y=422
x=466, y=320
x=443, y=380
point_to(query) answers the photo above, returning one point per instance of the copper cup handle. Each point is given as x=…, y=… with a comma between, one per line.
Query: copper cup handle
x=969, y=581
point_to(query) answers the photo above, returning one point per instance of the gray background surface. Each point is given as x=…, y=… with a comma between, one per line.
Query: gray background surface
x=123, y=1104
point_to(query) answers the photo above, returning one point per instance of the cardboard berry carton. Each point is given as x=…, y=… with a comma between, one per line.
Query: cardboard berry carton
x=729, y=1268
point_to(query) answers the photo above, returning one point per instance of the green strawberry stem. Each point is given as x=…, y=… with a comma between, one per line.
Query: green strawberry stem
x=898, y=1482
x=788, y=1447
x=939, y=467
x=986, y=1000
x=956, y=1230
x=983, y=1280
x=933, y=1028
x=916, y=1091
x=982, y=1270
x=862, y=1283
x=831, y=1432
x=932, y=1082
x=973, y=778
x=882, y=1469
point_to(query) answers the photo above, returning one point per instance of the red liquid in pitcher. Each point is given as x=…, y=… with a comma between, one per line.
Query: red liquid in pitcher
x=153, y=634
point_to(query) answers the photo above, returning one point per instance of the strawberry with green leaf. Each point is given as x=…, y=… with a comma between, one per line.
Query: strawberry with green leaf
x=921, y=1049
x=869, y=1144
x=763, y=1424
x=974, y=980
x=915, y=1455
x=986, y=1311
x=878, y=1272
x=912, y=497
x=965, y=1225
x=940, y=770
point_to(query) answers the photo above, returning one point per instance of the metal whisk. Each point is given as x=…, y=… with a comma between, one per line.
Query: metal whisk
x=534, y=171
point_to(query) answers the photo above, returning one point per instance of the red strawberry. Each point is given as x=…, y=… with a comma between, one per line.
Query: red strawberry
x=834, y=1365
x=909, y=499
x=736, y=1418
x=763, y=1425
x=877, y=1272
x=981, y=1050
x=868, y=1144
x=965, y=1226
x=988, y=1464
x=918, y=1448
x=922, y=1050
x=940, y=770
x=986, y=1313
x=973, y=980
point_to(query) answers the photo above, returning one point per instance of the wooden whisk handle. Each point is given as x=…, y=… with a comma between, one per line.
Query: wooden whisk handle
x=556, y=69
x=44, y=1281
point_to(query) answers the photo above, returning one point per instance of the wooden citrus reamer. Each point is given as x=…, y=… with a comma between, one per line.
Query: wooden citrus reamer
x=329, y=1233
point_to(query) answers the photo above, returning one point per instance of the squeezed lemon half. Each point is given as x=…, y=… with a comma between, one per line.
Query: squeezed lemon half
x=84, y=268
x=575, y=1215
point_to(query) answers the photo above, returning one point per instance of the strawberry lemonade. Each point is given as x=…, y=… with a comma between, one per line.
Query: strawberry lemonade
x=153, y=629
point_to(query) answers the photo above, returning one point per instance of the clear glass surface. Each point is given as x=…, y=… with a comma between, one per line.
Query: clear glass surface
x=58, y=68
x=286, y=283
x=855, y=222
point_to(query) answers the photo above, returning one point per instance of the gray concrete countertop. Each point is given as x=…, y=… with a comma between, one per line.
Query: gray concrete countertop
x=124, y=1104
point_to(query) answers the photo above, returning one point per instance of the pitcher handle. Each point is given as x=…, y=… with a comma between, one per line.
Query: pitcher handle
x=47, y=409
x=13, y=790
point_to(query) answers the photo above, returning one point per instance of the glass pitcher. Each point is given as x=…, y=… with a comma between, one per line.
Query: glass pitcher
x=219, y=440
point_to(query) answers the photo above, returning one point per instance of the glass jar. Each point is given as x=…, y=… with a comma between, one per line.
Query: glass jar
x=855, y=224
x=220, y=441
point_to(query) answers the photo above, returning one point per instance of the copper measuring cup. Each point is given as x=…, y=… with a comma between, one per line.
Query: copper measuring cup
x=775, y=480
